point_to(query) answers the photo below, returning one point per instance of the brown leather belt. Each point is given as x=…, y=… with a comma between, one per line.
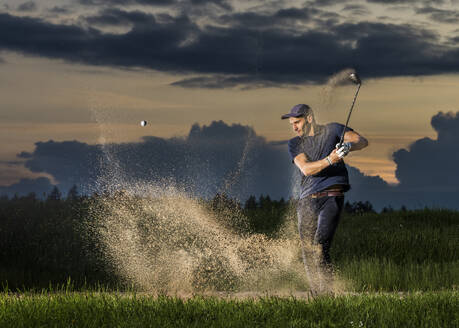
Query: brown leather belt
x=331, y=193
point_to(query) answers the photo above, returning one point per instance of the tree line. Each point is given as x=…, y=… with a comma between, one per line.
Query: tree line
x=43, y=240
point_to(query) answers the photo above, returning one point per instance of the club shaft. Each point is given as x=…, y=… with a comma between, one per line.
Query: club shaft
x=349, y=116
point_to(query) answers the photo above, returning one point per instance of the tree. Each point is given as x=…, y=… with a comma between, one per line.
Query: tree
x=348, y=207
x=265, y=202
x=55, y=194
x=223, y=202
x=359, y=207
x=251, y=203
x=73, y=193
x=388, y=209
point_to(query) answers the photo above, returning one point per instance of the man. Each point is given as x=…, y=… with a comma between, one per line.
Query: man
x=324, y=180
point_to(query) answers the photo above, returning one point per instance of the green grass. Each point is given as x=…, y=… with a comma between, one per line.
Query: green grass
x=375, y=274
x=404, y=251
x=414, y=252
x=130, y=310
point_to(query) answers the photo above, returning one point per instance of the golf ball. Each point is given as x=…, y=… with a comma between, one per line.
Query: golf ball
x=143, y=123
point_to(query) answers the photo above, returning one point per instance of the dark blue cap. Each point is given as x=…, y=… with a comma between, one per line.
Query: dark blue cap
x=297, y=111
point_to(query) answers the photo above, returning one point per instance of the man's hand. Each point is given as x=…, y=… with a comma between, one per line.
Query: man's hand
x=333, y=156
x=343, y=150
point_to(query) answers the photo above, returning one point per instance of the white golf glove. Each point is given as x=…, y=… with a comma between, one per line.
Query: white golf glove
x=343, y=150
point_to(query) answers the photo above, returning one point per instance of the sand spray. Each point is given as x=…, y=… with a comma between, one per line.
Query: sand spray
x=164, y=240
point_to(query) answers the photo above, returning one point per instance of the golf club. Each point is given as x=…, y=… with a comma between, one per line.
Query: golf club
x=354, y=78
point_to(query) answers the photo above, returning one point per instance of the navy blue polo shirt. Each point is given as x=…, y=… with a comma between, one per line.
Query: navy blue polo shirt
x=316, y=148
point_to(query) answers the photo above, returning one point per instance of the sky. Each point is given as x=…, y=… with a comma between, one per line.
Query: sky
x=79, y=75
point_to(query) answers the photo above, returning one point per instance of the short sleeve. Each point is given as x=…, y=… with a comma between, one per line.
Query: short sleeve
x=338, y=128
x=294, y=147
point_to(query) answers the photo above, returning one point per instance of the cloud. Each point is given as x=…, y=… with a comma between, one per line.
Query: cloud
x=211, y=159
x=357, y=9
x=157, y=3
x=116, y=17
x=370, y=188
x=280, y=17
x=396, y=2
x=220, y=3
x=397, y=50
x=39, y=186
x=427, y=171
x=440, y=15
x=27, y=6
x=428, y=163
x=225, y=81
x=326, y=3
x=127, y=2
x=59, y=10
x=69, y=162
x=274, y=54
x=411, y=2
x=233, y=159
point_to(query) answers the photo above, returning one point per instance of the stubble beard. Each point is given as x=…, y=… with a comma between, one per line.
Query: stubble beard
x=306, y=129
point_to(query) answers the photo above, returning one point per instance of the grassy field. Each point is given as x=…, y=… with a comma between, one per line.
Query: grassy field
x=90, y=309
x=402, y=268
x=399, y=251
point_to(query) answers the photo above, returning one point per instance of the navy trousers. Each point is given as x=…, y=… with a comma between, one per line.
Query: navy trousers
x=318, y=219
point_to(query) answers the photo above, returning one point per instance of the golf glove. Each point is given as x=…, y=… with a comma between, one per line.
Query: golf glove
x=344, y=149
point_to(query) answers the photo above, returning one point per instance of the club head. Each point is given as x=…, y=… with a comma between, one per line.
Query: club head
x=355, y=78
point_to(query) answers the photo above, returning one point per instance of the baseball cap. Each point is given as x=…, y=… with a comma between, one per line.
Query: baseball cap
x=297, y=111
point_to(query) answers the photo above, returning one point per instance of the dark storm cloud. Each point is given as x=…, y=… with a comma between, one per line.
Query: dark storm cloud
x=357, y=10
x=427, y=172
x=235, y=160
x=71, y=162
x=59, y=10
x=371, y=188
x=214, y=158
x=27, y=6
x=211, y=159
x=160, y=3
x=432, y=163
x=454, y=40
x=39, y=186
x=157, y=46
x=212, y=82
x=282, y=19
x=413, y=2
x=261, y=20
x=243, y=51
x=326, y=3
x=440, y=15
x=221, y=3
x=395, y=2
x=218, y=82
x=119, y=17
x=127, y=2
x=396, y=50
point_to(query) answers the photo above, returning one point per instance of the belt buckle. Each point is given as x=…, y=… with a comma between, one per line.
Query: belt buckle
x=319, y=194
x=331, y=193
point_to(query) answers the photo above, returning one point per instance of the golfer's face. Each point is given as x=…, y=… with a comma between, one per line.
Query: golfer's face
x=298, y=125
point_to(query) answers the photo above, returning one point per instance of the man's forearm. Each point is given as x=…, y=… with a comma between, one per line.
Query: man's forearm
x=359, y=144
x=311, y=168
x=357, y=141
